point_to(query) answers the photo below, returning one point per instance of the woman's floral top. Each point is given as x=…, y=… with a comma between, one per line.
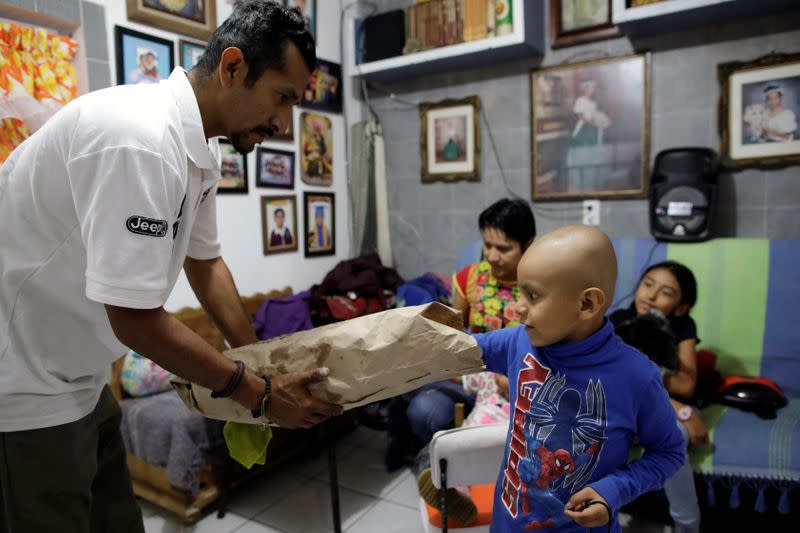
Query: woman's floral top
x=492, y=303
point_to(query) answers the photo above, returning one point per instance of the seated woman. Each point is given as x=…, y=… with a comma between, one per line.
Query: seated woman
x=486, y=292
x=670, y=289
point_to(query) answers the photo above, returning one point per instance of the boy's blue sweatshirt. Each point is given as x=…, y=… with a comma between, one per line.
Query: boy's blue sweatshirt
x=577, y=410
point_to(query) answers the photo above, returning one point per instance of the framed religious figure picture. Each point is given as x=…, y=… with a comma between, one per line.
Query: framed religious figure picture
x=590, y=129
x=450, y=138
x=309, y=10
x=759, y=112
x=580, y=21
x=319, y=211
x=233, y=168
x=196, y=18
x=324, y=88
x=142, y=58
x=275, y=168
x=189, y=53
x=279, y=224
x=316, y=149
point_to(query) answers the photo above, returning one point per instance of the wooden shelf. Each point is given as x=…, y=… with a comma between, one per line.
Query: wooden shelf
x=676, y=15
x=528, y=38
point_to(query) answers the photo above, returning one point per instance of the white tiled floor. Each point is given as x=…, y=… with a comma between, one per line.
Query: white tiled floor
x=296, y=498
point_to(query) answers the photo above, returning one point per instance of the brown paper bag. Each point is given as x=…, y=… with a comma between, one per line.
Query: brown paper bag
x=371, y=358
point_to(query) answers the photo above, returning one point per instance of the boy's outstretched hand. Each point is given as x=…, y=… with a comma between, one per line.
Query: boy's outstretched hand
x=579, y=508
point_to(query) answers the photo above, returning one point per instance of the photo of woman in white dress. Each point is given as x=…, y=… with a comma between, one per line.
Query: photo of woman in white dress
x=771, y=121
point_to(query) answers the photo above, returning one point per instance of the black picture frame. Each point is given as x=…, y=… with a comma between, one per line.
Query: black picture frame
x=261, y=179
x=329, y=98
x=183, y=46
x=314, y=200
x=123, y=69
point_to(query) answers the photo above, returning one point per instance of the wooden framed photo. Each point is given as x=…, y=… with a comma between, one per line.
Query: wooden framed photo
x=279, y=224
x=759, y=111
x=189, y=53
x=196, y=18
x=450, y=140
x=320, y=223
x=324, y=88
x=142, y=58
x=274, y=168
x=233, y=168
x=580, y=21
x=590, y=128
x=316, y=149
x=309, y=9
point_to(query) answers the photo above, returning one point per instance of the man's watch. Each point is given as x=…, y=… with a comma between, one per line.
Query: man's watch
x=685, y=413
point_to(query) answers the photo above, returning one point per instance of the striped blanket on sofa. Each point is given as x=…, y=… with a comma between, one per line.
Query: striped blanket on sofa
x=747, y=312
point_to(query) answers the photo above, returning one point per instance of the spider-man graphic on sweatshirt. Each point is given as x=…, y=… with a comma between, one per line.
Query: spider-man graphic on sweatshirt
x=577, y=409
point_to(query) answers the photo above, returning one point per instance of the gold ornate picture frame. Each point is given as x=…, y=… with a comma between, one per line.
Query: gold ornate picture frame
x=450, y=140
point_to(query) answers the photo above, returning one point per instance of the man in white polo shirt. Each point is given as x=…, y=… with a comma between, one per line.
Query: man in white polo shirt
x=99, y=211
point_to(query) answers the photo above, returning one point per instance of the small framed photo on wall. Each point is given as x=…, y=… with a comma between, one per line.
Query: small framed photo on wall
x=233, y=168
x=316, y=149
x=320, y=223
x=759, y=112
x=450, y=140
x=590, y=128
x=279, y=224
x=196, y=18
x=324, y=88
x=189, y=53
x=580, y=21
x=275, y=168
x=142, y=58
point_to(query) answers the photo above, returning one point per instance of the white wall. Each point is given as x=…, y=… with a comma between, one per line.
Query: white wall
x=239, y=216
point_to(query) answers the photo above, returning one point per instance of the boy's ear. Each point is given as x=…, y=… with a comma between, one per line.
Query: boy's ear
x=593, y=301
x=681, y=310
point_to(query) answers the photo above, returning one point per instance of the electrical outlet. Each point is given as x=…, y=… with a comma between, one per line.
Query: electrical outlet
x=591, y=212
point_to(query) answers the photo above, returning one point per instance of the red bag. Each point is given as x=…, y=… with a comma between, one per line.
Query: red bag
x=343, y=308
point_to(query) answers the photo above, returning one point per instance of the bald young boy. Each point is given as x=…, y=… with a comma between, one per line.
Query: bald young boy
x=579, y=395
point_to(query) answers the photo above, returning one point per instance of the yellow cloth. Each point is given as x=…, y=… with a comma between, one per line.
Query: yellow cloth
x=247, y=443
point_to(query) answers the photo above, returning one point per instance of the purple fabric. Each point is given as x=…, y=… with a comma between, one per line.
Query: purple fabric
x=282, y=316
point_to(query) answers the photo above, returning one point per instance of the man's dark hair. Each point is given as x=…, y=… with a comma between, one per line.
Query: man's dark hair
x=261, y=29
x=279, y=210
x=512, y=217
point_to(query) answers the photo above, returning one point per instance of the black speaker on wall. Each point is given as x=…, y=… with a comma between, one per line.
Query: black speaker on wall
x=683, y=189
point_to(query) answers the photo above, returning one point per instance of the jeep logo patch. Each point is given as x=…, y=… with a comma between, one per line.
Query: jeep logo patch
x=147, y=226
